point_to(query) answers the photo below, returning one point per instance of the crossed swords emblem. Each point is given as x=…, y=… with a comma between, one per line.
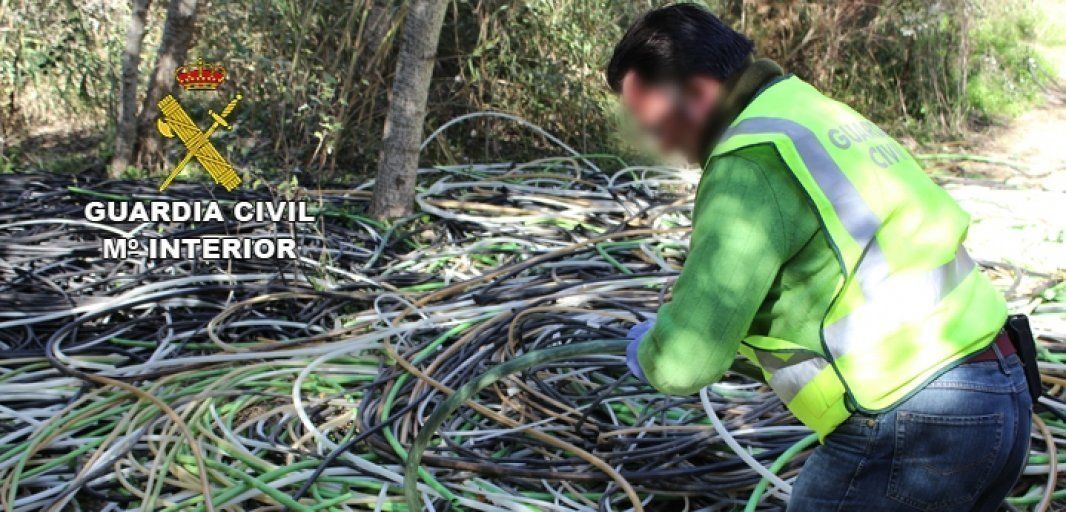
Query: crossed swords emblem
x=176, y=121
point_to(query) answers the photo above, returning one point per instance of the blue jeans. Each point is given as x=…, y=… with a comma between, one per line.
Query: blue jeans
x=959, y=444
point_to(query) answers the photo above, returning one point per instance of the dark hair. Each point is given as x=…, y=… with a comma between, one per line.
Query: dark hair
x=677, y=42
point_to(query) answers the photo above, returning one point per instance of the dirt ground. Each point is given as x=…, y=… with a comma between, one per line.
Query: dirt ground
x=1020, y=219
x=1019, y=215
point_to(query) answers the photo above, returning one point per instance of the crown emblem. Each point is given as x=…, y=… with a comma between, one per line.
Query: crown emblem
x=200, y=76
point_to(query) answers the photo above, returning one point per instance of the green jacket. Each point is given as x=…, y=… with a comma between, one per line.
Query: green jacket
x=759, y=263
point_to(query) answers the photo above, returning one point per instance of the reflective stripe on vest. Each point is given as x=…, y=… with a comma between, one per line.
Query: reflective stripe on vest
x=788, y=376
x=857, y=218
x=892, y=300
x=884, y=311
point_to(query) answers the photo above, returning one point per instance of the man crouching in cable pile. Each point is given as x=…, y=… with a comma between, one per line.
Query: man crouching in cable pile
x=822, y=253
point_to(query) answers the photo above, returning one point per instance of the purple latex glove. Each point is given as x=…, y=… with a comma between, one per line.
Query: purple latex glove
x=636, y=333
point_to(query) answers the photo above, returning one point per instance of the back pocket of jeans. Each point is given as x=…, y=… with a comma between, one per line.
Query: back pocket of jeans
x=941, y=462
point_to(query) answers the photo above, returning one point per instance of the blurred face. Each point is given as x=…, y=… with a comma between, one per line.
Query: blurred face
x=674, y=115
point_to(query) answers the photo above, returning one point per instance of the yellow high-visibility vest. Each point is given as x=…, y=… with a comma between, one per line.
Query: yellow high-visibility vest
x=910, y=303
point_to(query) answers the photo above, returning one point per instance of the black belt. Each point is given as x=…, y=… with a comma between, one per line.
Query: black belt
x=1002, y=341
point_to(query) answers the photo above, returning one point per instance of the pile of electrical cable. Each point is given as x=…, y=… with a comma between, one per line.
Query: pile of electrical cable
x=478, y=339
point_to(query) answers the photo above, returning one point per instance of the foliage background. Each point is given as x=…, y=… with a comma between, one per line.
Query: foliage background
x=316, y=73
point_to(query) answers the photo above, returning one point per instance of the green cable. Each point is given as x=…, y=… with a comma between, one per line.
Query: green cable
x=333, y=501
x=610, y=259
x=20, y=465
x=784, y=458
x=262, y=486
x=471, y=388
x=1035, y=497
x=237, y=490
x=93, y=193
x=386, y=408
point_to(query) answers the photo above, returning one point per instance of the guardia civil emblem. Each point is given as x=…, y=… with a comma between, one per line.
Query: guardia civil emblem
x=176, y=122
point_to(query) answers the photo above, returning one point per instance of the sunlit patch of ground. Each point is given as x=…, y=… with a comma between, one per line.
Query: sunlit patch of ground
x=1019, y=214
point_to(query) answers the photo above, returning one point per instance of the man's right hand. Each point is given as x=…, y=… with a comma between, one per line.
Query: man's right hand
x=636, y=333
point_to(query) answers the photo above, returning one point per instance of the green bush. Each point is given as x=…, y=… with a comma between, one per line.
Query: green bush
x=58, y=63
x=1006, y=73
